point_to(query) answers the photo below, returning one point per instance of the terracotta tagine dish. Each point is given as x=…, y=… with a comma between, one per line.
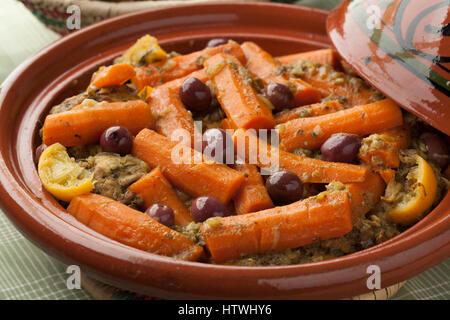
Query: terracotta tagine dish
x=401, y=50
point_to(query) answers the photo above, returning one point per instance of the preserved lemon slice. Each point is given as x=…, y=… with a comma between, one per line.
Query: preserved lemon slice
x=414, y=204
x=61, y=175
x=145, y=50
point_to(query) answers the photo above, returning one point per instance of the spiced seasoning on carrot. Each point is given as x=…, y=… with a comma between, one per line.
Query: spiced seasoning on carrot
x=325, y=216
x=381, y=150
x=113, y=75
x=131, y=227
x=257, y=151
x=236, y=96
x=85, y=123
x=331, y=82
x=171, y=114
x=163, y=71
x=252, y=195
x=312, y=110
x=310, y=133
x=322, y=56
x=263, y=65
x=154, y=188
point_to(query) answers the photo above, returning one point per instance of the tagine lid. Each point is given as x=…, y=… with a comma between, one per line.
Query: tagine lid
x=402, y=48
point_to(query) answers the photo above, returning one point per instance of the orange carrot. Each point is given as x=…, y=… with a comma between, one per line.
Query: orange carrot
x=84, y=124
x=256, y=151
x=236, y=96
x=188, y=171
x=313, y=110
x=163, y=71
x=226, y=124
x=154, y=188
x=265, y=67
x=322, y=217
x=331, y=82
x=364, y=195
x=252, y=196
x=310, y=133
x=171, y=113
x=322, y=56
x=114, y=75
x=381, y=150
x=131, y=227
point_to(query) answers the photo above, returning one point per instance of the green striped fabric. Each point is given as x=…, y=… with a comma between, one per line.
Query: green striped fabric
x=28, y=273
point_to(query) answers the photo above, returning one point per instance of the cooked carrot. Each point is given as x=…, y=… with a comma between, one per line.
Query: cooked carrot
x=236, y=96
x=252, y=196
x=313, y=110
x=386, y=174
x=310, y=133
x=114, y=75
x=84, y=124
x=160, y=72
x=322, y=217
x=154, y=188
x=131, y=227
x=322, y=56
x=264, y=66
x=188, y=171
x=364, y=195
x=381, y=150
x=145, y=92
x=256, y=151
x=170, y=112
x=226, y=124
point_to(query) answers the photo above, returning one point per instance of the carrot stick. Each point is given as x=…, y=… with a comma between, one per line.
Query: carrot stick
x=322, y=56
x=265, y=67
x=310, y=133
x=381, y=150
x=84, y=124
x=131, y=227
x=322, y=217
x=331, y=82
x=163, y=71
x=114, y=75
x=188, y=171
x=236, y=96
x=313, y=110
x=252, y=196
x=154, y=188
x=256, y=151
x=364, y=195
x=447, y=172
x=386, y=174
x=170, y=111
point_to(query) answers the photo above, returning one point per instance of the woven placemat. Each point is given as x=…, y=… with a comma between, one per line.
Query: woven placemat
x=101, y=291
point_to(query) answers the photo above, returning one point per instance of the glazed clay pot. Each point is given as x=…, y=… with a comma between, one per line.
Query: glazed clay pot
x=64, y=68
x=402, y=49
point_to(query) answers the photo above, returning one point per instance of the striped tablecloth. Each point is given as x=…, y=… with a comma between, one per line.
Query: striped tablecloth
x=28, y=273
